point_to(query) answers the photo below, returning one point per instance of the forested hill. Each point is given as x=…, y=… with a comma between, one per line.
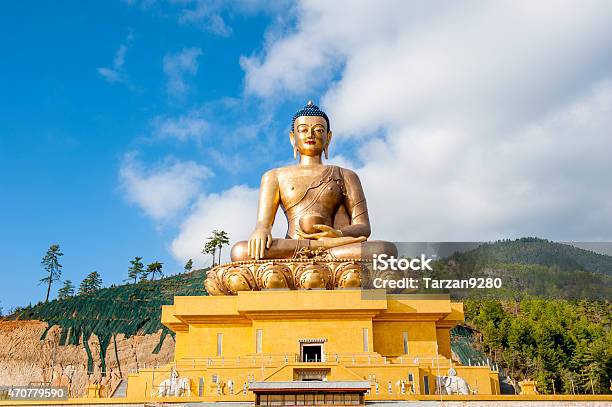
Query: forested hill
x=128, y=309
x=566, y=346
x=537, y=251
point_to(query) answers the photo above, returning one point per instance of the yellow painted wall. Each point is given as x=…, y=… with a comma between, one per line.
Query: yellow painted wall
x=343, y=336
x=444, y=343
x=388, y=338
x=181, y=348
x=478, y=377
x=202, y=340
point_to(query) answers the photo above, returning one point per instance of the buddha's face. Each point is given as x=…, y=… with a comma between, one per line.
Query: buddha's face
x=310, y=135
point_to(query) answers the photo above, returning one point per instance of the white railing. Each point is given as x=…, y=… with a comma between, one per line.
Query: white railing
x=277, y=360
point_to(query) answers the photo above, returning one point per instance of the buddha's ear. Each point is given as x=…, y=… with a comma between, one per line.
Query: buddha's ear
x=295, y=150
x=326, y=150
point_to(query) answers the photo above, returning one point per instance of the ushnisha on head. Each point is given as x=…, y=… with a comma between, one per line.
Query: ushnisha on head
x=310, y=132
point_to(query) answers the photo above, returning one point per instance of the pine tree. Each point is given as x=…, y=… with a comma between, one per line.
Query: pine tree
x=188, y=266
x=211, y=248
x=52, y=266
x=222, y=239
x=66, y=291
x=155, y=268
x=90, y=283
x=136, y=269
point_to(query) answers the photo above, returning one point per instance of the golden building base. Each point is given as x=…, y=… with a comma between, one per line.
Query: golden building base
x=293, y=274
x=260, y=345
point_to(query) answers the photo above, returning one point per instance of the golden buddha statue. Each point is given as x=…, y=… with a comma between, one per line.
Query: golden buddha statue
x=327, y=220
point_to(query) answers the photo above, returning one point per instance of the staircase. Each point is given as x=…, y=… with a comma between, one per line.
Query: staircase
x=121, y=389
x=506, y=384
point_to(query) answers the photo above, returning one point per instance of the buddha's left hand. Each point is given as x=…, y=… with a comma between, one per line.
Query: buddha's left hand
x=324, y=232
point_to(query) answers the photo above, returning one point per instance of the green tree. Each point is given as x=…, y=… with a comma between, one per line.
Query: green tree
x=136, y=269
x=52, y=266
x=563, y=345
x=222, y=239
x=188, y=266
x=210, y=247
x=90, y=283
x=66, y=291
x=155, y=268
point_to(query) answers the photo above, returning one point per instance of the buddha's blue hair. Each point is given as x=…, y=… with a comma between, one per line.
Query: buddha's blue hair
x=310, y=110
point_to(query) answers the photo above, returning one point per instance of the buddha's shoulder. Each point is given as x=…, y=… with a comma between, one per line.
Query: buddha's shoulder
x=347, y=174
x=292, y=169
x=270, y=174
x=346, y=171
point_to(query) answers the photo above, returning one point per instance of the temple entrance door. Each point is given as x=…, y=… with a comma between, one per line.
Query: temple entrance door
x=312, y=352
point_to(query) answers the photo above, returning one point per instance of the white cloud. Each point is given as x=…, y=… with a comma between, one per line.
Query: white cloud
x=233, y=210
x=340, y=160
x=211, y=15
x=182, y=128
x=110, y=75
x=546, y=179
x=177, y=67
x=116, y=74
x=207, y=15
x=164, y=190
x=474, y=121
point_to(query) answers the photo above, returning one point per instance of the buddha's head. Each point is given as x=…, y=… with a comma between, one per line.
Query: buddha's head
x=310, y=133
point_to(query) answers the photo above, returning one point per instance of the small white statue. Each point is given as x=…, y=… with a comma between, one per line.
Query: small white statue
x=174, y=386
x=184, y=386
x=453, y=384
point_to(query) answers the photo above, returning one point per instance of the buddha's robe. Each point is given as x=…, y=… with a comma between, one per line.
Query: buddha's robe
x=327, y=197
x=331, y=200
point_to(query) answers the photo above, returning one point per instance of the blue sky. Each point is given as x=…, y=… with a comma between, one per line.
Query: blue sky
x=65, y=130
x=135, y=128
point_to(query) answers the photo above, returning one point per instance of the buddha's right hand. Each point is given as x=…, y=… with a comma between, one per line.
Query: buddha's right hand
x=260, y=240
